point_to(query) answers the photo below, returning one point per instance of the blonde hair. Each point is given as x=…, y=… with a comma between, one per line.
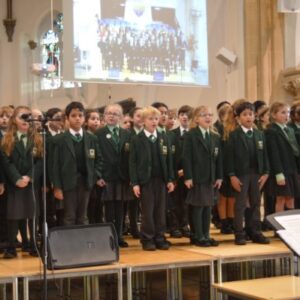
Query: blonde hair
x=150, y=111
x=275, y=107
x=9, y=139
x=196, y=112
x=230, y=121
x=6, y=110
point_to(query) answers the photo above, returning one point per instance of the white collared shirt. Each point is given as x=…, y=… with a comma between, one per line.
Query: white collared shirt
x=246, y=129
x=73, y=132
x=147, y=133
x=183, y=129
x=203, y=131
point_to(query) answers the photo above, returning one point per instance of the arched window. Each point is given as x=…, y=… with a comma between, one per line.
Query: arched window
x=51, y=46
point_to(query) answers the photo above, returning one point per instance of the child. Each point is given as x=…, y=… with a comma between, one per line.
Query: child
x=126, y=122
x=202, y=167
x=76, y=166
x=225, y=205
x=55, y=126
x=133, y=204
x=284, y=155
x=95, y=207
x=114, y=145
x=180, y=208
x=248, y=168
x=172, y=118
x=92, y=120
x=5, y=115
x=263, y=118
x=22, y=162
x=150, y=172
x=162, y=128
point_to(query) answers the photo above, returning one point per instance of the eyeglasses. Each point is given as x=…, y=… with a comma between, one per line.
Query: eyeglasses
x=203, y=115
x=112, y=114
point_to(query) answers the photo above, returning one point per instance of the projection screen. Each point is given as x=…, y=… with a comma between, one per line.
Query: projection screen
x=136, y=41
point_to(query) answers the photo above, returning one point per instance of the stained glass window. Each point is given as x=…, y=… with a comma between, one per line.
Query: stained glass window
x=50, y=67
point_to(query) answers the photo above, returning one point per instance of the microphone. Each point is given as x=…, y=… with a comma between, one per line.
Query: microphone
x=26, y=117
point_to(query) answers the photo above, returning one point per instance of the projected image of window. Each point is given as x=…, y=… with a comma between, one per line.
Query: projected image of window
x=158, y=41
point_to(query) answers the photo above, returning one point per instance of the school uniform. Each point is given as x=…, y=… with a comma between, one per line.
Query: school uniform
x=150, y=166
x=22, y=203
x=246, y=158
x=284, y=155
x=114, y=147
x=76, y=168
x=296, y=127
x=202, y=163
x=180, y=209
x=133, y=204
x=172, y=223
x=3, y=206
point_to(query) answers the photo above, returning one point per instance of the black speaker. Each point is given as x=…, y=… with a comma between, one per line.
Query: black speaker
x=82, y=246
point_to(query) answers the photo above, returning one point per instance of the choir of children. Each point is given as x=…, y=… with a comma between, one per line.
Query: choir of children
x=168, y=167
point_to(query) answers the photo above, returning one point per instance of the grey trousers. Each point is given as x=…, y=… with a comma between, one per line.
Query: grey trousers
x=250, y=192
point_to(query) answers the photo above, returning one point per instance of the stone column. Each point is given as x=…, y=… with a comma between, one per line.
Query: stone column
x=291, y=82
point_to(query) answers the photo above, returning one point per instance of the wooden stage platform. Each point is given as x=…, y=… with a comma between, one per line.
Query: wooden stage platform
x=134, y=263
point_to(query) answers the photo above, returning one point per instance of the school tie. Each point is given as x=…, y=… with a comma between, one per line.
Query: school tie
x=183, y=132
x=152, y=138
x=23, y=138
x=249, y=134
x=78, y=137
x=207, y=139
x=292, y=141
x=115, y=135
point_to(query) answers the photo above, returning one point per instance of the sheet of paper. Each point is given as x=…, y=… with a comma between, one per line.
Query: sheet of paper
x=290, y=222
x=291, y=238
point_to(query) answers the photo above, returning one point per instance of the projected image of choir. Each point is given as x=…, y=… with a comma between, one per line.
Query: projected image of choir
x=157, y=48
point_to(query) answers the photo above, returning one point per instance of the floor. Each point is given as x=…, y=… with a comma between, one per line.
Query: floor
x=195, y=281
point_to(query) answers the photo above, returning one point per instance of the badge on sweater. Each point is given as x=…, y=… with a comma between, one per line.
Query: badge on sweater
x=216, y=151
x=164, y=150
x=126, y=147
x=260, y=145
x=108, y=136
x=173, y=149
x=91, y=153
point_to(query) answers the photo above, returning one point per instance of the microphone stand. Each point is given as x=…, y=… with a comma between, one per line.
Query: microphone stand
x=45, y=226
x=44, y=255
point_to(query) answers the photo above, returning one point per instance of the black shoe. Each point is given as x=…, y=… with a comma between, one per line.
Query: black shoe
x=33, y=253
x=136, y=235
x=186, y=232
x=213, y=242
x=163, y=245
x=176, y=234
x=259, y=238
x=203, y=243
x=10, y=253
x=123, y=244
x=148, y=246
x=26, y=248
x=240, y=239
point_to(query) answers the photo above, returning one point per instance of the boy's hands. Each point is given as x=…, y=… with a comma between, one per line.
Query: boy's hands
x=21, y=183
x=189, y=183
x=262, y=180
x=170, y=187
x=218, y=184
x=58, y=194
x=236, y=183
x=101, y=182
x=137, y=191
